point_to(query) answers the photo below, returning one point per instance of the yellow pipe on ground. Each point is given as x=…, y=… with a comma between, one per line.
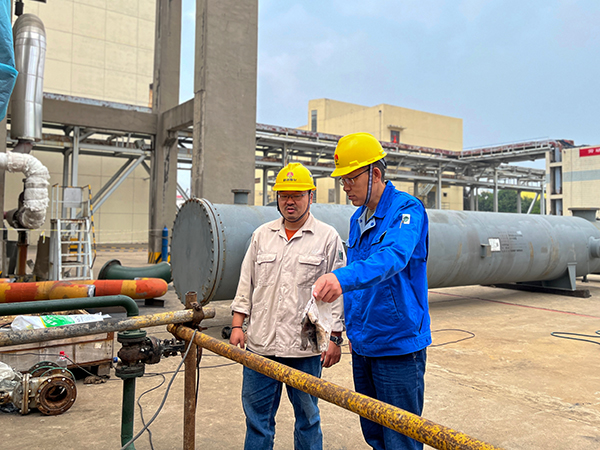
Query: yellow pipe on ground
x=416, y=427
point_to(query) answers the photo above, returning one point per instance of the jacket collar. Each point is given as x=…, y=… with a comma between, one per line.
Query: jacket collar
x=384, y=202
x=278, y=225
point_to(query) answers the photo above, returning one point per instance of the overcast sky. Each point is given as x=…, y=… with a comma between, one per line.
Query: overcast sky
x=512, y=70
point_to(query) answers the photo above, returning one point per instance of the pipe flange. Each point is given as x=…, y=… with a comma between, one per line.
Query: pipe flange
x=37, y=369
x=55, y=395
x=125, y=371
x=131, y=337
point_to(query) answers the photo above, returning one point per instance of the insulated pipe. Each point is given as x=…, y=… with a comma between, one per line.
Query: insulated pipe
x=29, y=37
x=113, y=270
x=32, y=212
x=105, y=326
x=67, y=304
x=43, y=290
x=411, y=425
x=209, y=241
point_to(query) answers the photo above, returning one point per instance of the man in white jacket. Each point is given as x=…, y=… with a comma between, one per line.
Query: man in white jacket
x=283, y=261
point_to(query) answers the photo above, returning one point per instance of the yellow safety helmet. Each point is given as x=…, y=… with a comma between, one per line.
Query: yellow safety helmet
x=294, y=177
x=354, y=151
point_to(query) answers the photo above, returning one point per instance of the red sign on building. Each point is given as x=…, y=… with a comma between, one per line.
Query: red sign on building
x=589, y=151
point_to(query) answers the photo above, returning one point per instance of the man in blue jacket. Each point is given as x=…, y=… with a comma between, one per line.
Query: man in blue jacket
x=384, y=286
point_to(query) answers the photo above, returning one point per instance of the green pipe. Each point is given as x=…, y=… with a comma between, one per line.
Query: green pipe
x=113, y=270
x=66, y=304
x=127, y=412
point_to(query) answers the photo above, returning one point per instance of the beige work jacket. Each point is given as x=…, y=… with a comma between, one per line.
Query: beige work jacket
x=275, y=284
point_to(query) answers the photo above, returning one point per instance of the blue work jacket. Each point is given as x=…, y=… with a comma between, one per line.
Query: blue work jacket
x=385, y=280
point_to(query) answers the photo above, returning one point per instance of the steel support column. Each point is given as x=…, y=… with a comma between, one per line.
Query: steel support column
x=265, y=186
x=495, y=189
x=75, y=158
x=438, y=194
x=518, y=202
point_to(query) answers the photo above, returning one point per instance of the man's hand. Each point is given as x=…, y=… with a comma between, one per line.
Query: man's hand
x=237, y=337
x=331, y=356
x=327, y=288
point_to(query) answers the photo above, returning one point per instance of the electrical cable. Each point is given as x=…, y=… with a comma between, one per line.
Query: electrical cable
x=140, y=405
x=164, y=398
x=558, y=333
x=472, y=335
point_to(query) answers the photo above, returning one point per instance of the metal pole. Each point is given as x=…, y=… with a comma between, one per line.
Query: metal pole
x=106, y=326
x=189, y=390
x=533, y=203
x=518, y=202
x=127, y=412
x=397, y=419
x=438, y=197
x=117, y=184
x=495, y=189
x=543, y=200
x=265, y=186
x=75, y=157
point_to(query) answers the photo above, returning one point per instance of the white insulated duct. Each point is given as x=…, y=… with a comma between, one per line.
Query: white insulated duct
x=31, y=213
x=29, y=37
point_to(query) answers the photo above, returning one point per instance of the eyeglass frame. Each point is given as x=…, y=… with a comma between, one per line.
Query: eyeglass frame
x=350, y=181
x=294, y=197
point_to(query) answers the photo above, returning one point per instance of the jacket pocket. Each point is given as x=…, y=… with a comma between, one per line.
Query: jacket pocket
x=265, y=269
x=377, y=240
x=310, y=267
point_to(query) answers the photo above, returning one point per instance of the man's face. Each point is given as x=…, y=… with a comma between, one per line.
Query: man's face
x=292, y=204
x=355, y=185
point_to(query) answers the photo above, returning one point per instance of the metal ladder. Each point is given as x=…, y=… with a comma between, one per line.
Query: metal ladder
x=71, y=250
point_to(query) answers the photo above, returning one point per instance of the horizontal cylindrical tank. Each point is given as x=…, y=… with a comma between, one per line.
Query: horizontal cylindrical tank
x=209, y=242
x=468, y=247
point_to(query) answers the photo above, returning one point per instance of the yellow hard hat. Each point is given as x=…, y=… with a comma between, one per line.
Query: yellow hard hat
x=354, y=151
x=294, y=177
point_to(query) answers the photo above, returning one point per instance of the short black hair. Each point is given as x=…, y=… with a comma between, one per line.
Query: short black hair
x=381, y=165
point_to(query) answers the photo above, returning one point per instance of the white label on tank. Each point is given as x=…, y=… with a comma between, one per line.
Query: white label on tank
x=494, y=244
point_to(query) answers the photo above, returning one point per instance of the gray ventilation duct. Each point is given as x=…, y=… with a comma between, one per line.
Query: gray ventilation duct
x=26, y=104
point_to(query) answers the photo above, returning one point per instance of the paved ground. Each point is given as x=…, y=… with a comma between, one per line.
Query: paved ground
x=510, y=383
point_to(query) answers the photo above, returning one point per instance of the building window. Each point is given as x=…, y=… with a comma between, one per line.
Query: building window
x=395, y=136
x=313, y=120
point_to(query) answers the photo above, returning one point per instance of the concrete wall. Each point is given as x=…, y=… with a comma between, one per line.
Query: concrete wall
x=101, y=49
x=225, y=99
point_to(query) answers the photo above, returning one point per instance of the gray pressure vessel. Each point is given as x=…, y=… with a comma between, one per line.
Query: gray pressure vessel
x=209, y=242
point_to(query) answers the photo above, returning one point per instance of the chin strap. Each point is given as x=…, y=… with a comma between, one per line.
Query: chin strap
x=303, y=214
x=370, y=186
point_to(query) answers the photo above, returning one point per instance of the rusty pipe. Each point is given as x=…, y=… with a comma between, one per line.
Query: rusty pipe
x=416, y=427
x=43, y=290
x=189, y=387
x=85, y=329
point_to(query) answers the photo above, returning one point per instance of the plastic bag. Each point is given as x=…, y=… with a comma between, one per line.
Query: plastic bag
x=36, y=322
x=316, y=326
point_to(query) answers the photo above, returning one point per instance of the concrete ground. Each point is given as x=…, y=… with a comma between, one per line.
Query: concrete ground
x=493, y=372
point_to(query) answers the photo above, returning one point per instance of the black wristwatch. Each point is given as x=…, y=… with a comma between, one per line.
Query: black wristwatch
x=337, y=340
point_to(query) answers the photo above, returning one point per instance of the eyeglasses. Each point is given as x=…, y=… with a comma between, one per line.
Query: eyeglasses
x=294, y=197
x=350, y=181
